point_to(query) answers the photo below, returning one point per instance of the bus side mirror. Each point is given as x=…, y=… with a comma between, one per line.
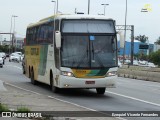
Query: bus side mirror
x=121, y=36
x=58, y=39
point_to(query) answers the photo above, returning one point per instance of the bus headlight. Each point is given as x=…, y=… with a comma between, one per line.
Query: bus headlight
x=65, y=73
x=113, y=73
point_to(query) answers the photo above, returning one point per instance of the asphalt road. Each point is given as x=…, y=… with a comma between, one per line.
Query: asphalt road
x=130, y=94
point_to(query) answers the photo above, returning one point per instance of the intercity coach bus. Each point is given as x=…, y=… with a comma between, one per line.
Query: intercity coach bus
x=72, y=51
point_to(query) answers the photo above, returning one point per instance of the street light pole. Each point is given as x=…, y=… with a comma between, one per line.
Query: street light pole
x=13, y=37
x=11, y=42
x=88, y=6
x=54, y=6
x=57, y=7
x=14, y=16
x=104, y=8
x=125, y=33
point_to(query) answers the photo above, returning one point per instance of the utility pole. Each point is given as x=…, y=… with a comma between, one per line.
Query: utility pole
x=54, y=6
x=75, y=11
x=132, y=44
x=124, y=50
x=14, y=37
x=88, y=6
x=57, y=7
x=131, y=28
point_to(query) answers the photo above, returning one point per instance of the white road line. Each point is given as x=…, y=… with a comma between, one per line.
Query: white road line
x=134, y=98
x=48, y=96
x=71, y=103
x=81, y=106
x=22, y=88
x=2, y=88
x=60, y=100
x=140, y=82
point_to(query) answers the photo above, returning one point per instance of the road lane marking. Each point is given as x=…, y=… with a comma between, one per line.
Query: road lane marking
x=2, y=88
x=71, y=103
x=61, y=100
x=82, y=106
x=22, y=88
x=48, y=96
x=139, y=82
x=133, y=98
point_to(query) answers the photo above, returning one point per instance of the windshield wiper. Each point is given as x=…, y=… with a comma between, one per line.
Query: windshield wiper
x=84, y=56
x=99, y=61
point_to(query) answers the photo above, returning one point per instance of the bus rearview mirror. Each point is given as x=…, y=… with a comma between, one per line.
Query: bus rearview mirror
x=58, y=39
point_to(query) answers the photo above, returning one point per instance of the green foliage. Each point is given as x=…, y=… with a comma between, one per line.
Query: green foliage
x=23, y=109
x=4, y=108
x=155, y=57
x=141, y=38
x=6, y=49
x=141, y=56
x=158, y=41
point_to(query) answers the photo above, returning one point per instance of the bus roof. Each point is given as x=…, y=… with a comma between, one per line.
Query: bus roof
x=67, y=16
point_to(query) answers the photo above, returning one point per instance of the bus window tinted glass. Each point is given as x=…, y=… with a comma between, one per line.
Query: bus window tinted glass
x=87, y=26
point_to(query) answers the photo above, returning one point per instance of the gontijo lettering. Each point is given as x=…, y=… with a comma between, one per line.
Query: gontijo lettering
x=34, y=51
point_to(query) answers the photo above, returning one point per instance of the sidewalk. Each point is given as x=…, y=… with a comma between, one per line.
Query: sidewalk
x=14, y=98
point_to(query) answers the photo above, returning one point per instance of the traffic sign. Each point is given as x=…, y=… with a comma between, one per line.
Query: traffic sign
x=141, y=46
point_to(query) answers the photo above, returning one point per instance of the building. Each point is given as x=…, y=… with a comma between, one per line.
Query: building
x=4, y=42
x=18, y=42
x=136, y=48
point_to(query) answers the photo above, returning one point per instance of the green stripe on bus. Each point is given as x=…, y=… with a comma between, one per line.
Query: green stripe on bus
x=43, y=59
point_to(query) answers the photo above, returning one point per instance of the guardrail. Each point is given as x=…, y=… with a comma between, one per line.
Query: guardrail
x=139, y=72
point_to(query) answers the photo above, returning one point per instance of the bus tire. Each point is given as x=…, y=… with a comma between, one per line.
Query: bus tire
x=24, y=72
x=53, y=88
x=100, y=90
x=32, y=77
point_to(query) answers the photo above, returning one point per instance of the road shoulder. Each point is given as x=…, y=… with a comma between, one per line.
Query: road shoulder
x=15, y=98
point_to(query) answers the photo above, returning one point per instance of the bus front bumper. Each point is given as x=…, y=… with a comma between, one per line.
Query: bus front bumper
x=72, y=82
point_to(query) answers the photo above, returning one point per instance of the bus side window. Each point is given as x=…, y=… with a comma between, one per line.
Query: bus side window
x=50, y=34
x=38, y=34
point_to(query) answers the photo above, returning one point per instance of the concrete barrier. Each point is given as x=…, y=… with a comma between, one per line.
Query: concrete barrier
x=139, y=72
x=153, y=76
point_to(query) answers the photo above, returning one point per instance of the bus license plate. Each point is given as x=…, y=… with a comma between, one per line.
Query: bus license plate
x=90, y=82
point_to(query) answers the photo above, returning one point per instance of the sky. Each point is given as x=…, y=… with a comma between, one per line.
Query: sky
x=31, y=11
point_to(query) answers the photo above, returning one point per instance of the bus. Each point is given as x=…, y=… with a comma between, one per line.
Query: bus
x=72, y=51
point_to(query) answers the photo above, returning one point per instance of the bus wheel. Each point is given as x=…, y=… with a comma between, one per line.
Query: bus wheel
x=24, y=72
x=100, y=90
x=53, y=88
x=32, y=78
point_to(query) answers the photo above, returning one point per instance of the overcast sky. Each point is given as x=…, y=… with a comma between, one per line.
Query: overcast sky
x=30, y=11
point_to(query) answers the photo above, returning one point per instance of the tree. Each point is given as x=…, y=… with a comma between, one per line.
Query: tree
x=155, y=57
x=141, y=38
x=158, y=41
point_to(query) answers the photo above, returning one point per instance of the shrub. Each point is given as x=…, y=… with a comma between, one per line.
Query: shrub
x=155, y=57
x=4, y=108
x=23, y=109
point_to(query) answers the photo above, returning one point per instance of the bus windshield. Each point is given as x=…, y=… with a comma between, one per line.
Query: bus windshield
x=93, y=49
x=87, y=26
